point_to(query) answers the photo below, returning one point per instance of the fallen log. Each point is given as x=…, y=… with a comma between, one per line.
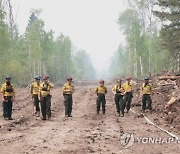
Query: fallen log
x=169, y=77
x=170, y=102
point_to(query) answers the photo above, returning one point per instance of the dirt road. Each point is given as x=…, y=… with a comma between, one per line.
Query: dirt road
x=85, y=132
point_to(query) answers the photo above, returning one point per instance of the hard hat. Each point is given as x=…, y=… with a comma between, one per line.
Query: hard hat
x=45, y=77
x=38, y=77
x=101, y=81
x=128, y=78
x=8, y=77
x=69, y=78
x=146, y=78
x=118, y=79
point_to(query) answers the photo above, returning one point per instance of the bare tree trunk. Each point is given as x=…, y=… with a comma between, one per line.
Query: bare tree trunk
x=178, y=63
x=30, y=73
x=34, y=67
x=141, y=67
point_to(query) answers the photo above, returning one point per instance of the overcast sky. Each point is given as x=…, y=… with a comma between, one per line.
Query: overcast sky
x=90, y=24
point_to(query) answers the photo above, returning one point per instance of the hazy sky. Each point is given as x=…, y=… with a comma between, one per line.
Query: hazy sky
x=90, y=24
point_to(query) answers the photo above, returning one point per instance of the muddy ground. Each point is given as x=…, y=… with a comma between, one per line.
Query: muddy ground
x=86, y=132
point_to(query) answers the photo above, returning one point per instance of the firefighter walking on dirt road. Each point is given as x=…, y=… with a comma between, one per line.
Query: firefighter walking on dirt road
x=128, y=94
x=8, y=96
x=68, y=90
x=118, y=91
x=45, y=97
x=34, y=90
x=101, y=90
x=146, y=91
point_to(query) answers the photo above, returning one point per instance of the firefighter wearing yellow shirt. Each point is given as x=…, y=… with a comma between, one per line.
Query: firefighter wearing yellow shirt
x=68, y=90
x=34, y=90
x=128, y=94
x=8, y=96
x=118, y=91
x=146, y=91
x=101, y=90
x=45, y=97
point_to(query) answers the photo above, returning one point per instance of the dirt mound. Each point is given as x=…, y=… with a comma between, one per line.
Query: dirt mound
x=166, y=98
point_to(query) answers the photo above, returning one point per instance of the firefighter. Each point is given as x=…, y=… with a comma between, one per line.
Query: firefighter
x=68, y=90
x=45, y=97
x=146, y=91
x=128, y=94
x=118, y=91
x=101, y=90
x=34, y=89
x=8, y=97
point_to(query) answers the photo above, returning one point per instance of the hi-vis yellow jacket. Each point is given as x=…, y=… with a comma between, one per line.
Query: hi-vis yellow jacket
x=128, y=87
x=7, y=90
x=45, y=88
x=101, y=90
x=34, y=89
x=146, y=89
x=68, y=88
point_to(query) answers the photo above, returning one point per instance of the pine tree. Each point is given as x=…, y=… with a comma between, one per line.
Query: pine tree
x=169, y=14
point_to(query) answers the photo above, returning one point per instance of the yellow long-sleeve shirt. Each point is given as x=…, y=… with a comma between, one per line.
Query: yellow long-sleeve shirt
x=128, y=87
x=68, y=88
x=118, y=89
x=101, y=90
x=7, y=90
x=146, y=89
x=34, y=89
x=45, y=88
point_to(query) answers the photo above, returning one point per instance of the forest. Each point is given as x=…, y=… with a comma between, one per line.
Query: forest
x=152, y=43
x=152, y=32
x=38, y=51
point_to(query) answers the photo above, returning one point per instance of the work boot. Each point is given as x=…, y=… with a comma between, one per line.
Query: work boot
x=37, y=114
x=48, y=117
x=43, y=118
x=122, y=114
x=10, y=118
x=143, y=111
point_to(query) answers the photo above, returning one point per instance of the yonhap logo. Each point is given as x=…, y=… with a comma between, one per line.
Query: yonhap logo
x=127, y=140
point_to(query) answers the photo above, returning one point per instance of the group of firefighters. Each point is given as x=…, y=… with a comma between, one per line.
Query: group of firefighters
x=123, y=94
x=41, y=95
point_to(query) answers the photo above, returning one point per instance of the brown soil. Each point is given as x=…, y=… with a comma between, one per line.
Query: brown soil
x=85, y=132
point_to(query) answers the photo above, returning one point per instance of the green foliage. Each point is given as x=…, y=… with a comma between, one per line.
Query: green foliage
x=169, y=14
x=39, y=52
x=143, y=50
x=84, y=66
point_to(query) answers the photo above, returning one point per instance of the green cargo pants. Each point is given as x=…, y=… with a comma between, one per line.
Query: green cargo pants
x=36, y=102
x=119, y=103
x=127, y=100
x=146, y=98
x=7, y=107
x=68, y=102
x=46, y=106
x=101, y=100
